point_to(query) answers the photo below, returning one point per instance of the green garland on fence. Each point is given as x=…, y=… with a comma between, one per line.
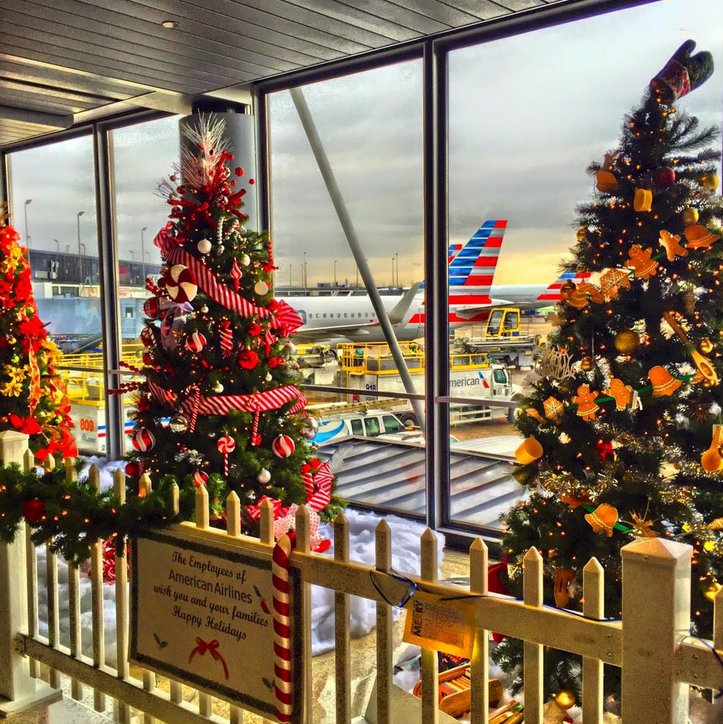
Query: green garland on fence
x=71, y=515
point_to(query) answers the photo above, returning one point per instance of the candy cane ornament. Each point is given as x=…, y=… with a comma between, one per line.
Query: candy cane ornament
x=282, y=629
x=226, y=445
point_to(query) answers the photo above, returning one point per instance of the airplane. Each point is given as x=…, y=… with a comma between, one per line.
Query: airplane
x=527, y=297
x=352, y=318
x=471, y=297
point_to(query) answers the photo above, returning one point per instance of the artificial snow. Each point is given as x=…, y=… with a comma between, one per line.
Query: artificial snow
x=405, y=559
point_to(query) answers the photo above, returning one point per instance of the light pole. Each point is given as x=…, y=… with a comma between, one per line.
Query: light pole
x=334, y=272
x=143, y=255
x=25, y=209
x=133, y=256
x=290, y=276
x=80, y=255
x=305, y=277
x=397, y=257
x=391, y=284
x=57, y=244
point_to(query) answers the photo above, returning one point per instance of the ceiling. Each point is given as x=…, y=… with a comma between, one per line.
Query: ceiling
x=68, y=61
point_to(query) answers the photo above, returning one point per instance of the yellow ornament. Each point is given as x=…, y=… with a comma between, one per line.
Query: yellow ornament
x=565, y=699
x=581, y=234
x=587, y=364
x=606, y=182
x=643, y=200
x=529, y=451
x=712, y=590
x=708, y=181
x=709, y=545
x=690, y=215
x=705, y=346
x=627, y=341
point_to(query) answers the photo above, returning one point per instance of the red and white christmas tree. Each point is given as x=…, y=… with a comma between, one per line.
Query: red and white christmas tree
x=220, y=404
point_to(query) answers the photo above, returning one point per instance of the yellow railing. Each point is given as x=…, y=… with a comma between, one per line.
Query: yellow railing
x=376, y=359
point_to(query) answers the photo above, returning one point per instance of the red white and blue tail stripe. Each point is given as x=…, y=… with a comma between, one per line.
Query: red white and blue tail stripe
x=552, y=293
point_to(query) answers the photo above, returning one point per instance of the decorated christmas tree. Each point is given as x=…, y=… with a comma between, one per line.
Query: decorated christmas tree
x=623, y=431
x=220, y=405
x=32, y=396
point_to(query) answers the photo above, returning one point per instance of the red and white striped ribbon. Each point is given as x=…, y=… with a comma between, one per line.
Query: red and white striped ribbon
x=282, y=629
x=223, y=404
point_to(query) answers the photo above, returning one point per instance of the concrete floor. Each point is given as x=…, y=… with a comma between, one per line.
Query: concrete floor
x=363, y=653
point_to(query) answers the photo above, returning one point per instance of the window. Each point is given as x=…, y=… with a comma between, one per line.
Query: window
x=392, y=424
x=371, y=426
x=356, y=427
x=53, y=208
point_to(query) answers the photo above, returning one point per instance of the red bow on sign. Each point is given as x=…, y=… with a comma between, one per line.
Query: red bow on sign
x=212, y=647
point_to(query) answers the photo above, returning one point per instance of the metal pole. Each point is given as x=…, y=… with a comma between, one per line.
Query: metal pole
x=57, y=244
x=335, y=273
x=397, y=258
x=351, y=236
x=290, y=277
x=305, y=279
x=143, y=255
x=80, y=256
x=27, y=235
x=391, y=283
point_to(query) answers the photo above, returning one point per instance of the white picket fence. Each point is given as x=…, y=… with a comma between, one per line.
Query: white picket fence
x=659, y=658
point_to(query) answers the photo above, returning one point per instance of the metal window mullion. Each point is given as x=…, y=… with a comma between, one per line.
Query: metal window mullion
x=436, y=326
x=107, y=264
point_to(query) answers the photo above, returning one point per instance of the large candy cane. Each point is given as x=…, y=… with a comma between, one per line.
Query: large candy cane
x=282, y=629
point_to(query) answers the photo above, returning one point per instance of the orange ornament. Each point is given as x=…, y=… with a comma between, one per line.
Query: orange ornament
x=563, y=578
x=585, y=401
x=603, y=519
x=533, y=413
x=529, y=451
x=612, y=281
x=643, y=200
x=699, y=237
x=606, y=182
x=622, y=393
x=711, y=459
x=554, y=409
x=671, y=243
x=575, y=501
x=640, y=261
x=663, y=382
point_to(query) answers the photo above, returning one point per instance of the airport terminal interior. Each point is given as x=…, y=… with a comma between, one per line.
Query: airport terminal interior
x=383, y=339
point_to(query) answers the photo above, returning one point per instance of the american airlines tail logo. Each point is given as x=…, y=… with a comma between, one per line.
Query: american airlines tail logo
x=552, y=293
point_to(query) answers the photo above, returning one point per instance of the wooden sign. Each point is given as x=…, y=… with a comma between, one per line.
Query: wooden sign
x=202, y=613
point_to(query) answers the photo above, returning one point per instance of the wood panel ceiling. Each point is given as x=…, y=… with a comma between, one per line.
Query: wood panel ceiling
x=65, y=61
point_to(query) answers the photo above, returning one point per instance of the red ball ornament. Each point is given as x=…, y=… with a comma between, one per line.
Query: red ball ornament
x=248, y=359
x=147, y=359
x=181, y=284
x=143, y=439
x=195, y=342
x=283, y=446
x=33, y=511
x=152, y=308
x=134, y=469
x=664, y=177
x=200, y=478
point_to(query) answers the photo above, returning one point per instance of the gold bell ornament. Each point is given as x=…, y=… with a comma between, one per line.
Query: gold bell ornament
x=529, y=451
x=663, y=382
x=699, y=237
x=705, y=346
x=711, y=459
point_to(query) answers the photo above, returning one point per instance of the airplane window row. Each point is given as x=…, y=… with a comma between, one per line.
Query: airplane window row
x=319, y=315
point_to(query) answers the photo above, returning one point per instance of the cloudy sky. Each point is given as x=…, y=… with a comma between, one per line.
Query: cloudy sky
x=527, y=115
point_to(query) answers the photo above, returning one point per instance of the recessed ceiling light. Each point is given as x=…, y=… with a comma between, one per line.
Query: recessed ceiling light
x=170, y=24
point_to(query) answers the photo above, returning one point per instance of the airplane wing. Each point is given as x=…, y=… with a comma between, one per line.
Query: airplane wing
x=321, y=334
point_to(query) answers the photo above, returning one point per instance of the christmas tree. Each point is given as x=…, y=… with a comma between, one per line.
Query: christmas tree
x=32, y=397
x=220, y=405
x=623, y=433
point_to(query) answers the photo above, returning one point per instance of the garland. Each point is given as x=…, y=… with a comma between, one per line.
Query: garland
x=71, y=515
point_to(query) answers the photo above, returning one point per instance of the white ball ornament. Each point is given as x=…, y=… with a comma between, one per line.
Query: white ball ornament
x=269, y=377
x=218, y=389
x=204, y=246
x=261, y=288
x=245, y=260
x=264, y=476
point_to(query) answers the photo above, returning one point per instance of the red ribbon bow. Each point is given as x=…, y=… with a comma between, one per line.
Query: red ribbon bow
x=212, y=647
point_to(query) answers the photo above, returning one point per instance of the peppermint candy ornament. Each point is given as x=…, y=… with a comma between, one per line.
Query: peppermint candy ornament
x=283, y=446
x=200, y=478
x=226, y=445
x=181, y=284
x=148, y=335
x=195, y=342
x=143, y=439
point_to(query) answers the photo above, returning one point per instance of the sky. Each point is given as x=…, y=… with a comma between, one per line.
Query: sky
x=526, y=116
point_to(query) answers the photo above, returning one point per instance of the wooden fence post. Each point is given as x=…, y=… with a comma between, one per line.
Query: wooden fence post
x=18, y=690
x=656, y=618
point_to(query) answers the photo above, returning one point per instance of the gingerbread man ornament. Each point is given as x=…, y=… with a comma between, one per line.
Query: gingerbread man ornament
x=622, y=393
x=585, y=401
x=640, y=261
x=671, y=242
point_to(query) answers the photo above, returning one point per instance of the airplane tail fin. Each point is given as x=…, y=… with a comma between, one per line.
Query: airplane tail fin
x=552, y=293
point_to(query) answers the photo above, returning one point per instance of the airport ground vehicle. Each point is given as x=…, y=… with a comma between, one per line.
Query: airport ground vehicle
x=503, y=340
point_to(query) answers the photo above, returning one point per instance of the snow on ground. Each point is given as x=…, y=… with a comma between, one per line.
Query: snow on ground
x=405, y=559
